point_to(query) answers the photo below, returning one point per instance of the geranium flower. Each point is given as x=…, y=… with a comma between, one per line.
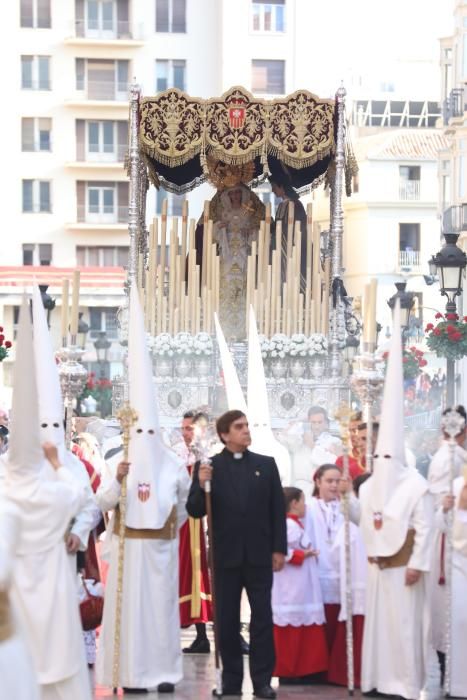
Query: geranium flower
x=438, y=315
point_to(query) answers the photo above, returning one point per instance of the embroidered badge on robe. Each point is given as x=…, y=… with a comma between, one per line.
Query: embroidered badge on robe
x=378, y=520
x=144, y=491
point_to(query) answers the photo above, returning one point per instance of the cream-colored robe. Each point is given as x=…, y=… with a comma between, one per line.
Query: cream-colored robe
x=150, y=651
x=458, y=686
x=44, y=591
x=396, y=633
x=17, y=678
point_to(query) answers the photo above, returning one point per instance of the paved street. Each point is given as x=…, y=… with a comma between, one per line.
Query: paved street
x=199, y=680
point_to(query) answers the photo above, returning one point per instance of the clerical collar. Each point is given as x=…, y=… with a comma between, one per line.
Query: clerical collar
x=236, y=455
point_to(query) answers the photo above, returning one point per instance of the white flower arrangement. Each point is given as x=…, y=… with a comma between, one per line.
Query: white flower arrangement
x=202, y=344
x=298, y=346
x=317, y=344
x=265, y=346
x=183, y=343
x=163, y=345
x=279, y=345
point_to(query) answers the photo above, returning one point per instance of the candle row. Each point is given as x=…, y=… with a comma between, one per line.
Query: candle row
x=70, y=320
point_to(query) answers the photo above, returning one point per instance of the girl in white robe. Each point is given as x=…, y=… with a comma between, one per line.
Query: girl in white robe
x=458, y=680
x=17, y=678
x=324, y=518
x=297, y=605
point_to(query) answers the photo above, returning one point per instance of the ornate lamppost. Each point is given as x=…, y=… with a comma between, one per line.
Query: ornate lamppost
x=406, y=302
x=449, y=265
x=47, y=302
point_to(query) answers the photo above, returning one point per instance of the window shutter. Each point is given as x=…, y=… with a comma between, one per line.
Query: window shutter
x=122, y=195
x=26, y=17
x=122, y=139
x=80, y=140
x=79, y=17
x=123, y=28
x=27, y=134
x=179, y=16
x=43, y=14
x=81, y=201
x=45, y=253
x=162, y=15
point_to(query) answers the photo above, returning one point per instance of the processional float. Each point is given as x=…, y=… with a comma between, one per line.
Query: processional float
x=178, y=142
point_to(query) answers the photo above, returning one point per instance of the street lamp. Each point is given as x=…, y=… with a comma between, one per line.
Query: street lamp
x=83, y=329
x=449, y=263
x=102, y=345
x=352, y=345
x=406, y=302
x=47, y=302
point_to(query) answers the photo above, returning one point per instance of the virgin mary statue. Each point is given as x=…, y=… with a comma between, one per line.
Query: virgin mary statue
x=236, y=213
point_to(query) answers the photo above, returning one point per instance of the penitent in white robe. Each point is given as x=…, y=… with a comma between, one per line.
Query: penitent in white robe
x=458, y=684
x=17, y=678
x=396, y=633
x=43, y=589
x=150, y=651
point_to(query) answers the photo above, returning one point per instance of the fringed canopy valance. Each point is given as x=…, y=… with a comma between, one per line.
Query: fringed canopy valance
x=178, y=132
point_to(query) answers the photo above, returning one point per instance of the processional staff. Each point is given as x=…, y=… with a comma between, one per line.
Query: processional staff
x=127, y=417
x=343, y=416
x=202, y=449
x=452, y=424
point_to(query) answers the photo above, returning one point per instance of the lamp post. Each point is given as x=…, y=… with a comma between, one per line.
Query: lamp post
x=102, y=345
x=83, y=329
x=449, y=264
x=406, y=302
x=47, y=302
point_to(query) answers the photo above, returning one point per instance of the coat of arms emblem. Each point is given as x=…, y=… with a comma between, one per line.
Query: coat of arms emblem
x=378, y=520
x=144, y=491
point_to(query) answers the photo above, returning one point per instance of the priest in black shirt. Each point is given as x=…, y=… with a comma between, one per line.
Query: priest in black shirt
x=249, y=542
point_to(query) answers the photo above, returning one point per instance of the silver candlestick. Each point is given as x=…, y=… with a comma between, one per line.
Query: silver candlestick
x=367, y=382
x=73, y=376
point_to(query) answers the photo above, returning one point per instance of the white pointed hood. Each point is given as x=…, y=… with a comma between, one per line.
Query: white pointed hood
x=25, y=458
x=235, y=396
x=51, y=412
x=152, y=479
x=263, y=440
x=388, y=497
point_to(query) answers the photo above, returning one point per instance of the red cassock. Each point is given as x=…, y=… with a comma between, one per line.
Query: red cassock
x=90, y=556
x=194, y=585
x=355, y=467
x=336, y=637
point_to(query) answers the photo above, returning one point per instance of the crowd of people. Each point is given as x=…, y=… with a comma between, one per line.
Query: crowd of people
x=128, y=512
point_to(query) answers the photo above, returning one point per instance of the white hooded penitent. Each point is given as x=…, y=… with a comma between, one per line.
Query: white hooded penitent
x=393, y=487
x=154, y=467
x=233, y=389
x=263, y=440
x=25, y=455
x=48, y=382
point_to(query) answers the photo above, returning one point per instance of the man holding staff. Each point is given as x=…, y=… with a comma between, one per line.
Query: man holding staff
x=249, y=543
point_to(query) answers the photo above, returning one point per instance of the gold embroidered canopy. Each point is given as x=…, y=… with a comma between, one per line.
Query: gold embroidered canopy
x=294, y=133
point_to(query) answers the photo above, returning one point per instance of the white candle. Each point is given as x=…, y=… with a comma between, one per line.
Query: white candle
x=65, y=303
x=75, y=303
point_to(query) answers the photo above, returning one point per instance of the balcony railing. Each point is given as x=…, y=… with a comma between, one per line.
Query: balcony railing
x=409, y=190
x=409, y=258
x=116, y=156
x=110, y=215
x=455, y=105
x=104, y=90
x=103, y=29
x=455, y=219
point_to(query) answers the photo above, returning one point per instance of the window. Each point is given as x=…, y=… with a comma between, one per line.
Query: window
x=409, y=182
x=171, y=16
x=102, y=79
x=268, y=15
x=170, y=74
x=102, y=202
x=105, y=140
x=409, y=237
x=36, y=196
x=35, y=72
x=464, y=56
x=101, y=319
x=37, y=254
x=102, y=256
x=102, y=19
x=35, y=14
x=174, y=202
x=268, y=77
x=35, y=134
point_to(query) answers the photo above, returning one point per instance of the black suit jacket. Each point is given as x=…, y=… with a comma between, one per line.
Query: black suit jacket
x=243, y=532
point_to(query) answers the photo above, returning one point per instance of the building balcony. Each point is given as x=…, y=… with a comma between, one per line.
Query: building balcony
x=110, y=215
x=455, y=219
x=409, y=261
x=454, y=105
x=113, y=33
x=409, y=190
x=113, y=160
